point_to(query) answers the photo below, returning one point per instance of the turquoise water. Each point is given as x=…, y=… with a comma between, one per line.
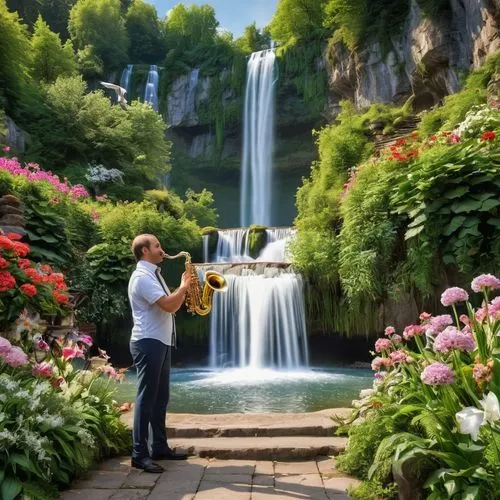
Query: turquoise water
x=243, y=391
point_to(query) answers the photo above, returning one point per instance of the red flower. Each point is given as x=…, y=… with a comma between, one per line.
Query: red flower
x=6, y=243
x=59, y=297
x=3, y=263
x=34, y=275
x=46, y=268
x=488, y=135
x=433, y=138
x=14, y=236
x=24, y=263
x=7, y=281
x=21, y=249
x=454, y=138
x=28, y=289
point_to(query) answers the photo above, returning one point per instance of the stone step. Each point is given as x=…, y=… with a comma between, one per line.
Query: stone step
x=261, y=448
x=228, y=425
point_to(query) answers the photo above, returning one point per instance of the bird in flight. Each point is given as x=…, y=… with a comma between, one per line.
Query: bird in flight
x=120, y=92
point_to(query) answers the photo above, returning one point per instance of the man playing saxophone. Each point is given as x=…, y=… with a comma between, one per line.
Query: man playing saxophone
x=153, y=335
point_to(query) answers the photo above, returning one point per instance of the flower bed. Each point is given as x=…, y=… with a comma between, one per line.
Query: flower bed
x=431, y=423
x=55, y=419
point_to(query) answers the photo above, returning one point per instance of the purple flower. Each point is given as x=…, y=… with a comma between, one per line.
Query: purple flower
x=453, y=295
x=16, y=357
x=438, y=324
x=398, y=356
x=452, y=338
x=485, y=281
x=437, y=374
x=382, y=344
x=4, y=346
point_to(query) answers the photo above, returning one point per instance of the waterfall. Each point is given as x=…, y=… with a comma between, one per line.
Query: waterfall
x=232, y=246
x=258, y=139
x=151, y=91
x=191, y=90
x=205, y=239
x=125, y=79
x=259, y=322
x=276, y=249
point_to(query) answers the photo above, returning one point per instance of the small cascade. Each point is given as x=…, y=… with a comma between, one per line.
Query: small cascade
x=151, y=90
x=205, y=240
x=258, y=139
x=125, y=79
x=259, y=322
x=191, y=90
x=232, y=246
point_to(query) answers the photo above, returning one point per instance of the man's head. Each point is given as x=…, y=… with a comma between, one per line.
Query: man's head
x=147, y=247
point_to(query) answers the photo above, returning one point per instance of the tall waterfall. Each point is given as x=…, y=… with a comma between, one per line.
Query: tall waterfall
x=232, y=246
x=258, y=139
x=125, y=79
x=151, y=90
x=259, y=322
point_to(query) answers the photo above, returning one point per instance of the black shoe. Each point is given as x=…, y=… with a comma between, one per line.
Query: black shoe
x=147, y=465
x=168, y=454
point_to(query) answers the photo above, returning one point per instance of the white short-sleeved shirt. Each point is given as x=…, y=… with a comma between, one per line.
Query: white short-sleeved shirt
x=150, y=320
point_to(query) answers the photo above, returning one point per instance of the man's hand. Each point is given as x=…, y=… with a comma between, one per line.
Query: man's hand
x=185, y=281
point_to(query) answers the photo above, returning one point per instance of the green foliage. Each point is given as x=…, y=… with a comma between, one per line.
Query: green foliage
x=297, y=20
x=50, y=58
x=199, y=208
x=98, y=23
x=252, y=39
x=166, y=201
x=14, y=58
x=147, y=41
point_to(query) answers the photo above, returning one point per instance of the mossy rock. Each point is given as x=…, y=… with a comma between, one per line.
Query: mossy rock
x=257, y=239
x=213, y=238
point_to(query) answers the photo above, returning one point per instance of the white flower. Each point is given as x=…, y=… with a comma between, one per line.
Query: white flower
x=366, y=393
x=491, y=407
x=469, y=420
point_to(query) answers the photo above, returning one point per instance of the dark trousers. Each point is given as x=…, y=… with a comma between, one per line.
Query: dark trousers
x=152, y=360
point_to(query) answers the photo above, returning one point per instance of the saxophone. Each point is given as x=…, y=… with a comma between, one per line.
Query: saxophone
x=199, y=301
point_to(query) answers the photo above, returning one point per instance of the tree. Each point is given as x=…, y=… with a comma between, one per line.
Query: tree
x=190, y=27
x=297, y=20
x=253, y=40
x=14, y=57
x=147, y=41
x=50, y=58
x=99, y=23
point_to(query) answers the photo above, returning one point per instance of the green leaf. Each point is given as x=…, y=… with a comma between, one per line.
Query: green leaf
x=413, y=232
x=448, y=259
x=494, y=221
x=482, y=196
x=10, y=488
x=454, y=224
x=456, y=192
x=489, y=205
x=419, y=220
x=467, y=205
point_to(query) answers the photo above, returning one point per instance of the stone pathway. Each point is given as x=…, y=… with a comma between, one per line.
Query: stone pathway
x=212, y=479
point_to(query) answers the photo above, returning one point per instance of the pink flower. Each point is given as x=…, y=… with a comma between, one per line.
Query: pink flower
x=43, y=370
x=380, y=375
x=85, y=339
x=424, y=316
x=41, y=345
x=464, y=319
x=452, y=338
x=382, y=344
x=389, y=331
x=6, y=149
x=108, y=370
x=412, y=330
x=69, y=353
x=453, y=295
x=5, y=346
x=398, y=356
x=437, y=374
x=396, y=339
x=485, y=281
x=16, y=357
x=378, y=362
x=494, y=308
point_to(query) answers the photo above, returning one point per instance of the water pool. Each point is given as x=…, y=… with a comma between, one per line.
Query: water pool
x=206, y=391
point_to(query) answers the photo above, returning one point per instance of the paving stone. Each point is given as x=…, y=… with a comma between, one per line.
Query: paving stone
x=228, y=478
x=336, y=485
x=307, y=485
x=209, y=490
x=231, y=467
x=140, y=479
x=116, y=464
x=263, y=480
x=309, y=467
x=129, y=494
x=264, y=467
x=325, y=465
x=86, y=494
x=178, y=483
x=272, y=494
x=102, y=479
